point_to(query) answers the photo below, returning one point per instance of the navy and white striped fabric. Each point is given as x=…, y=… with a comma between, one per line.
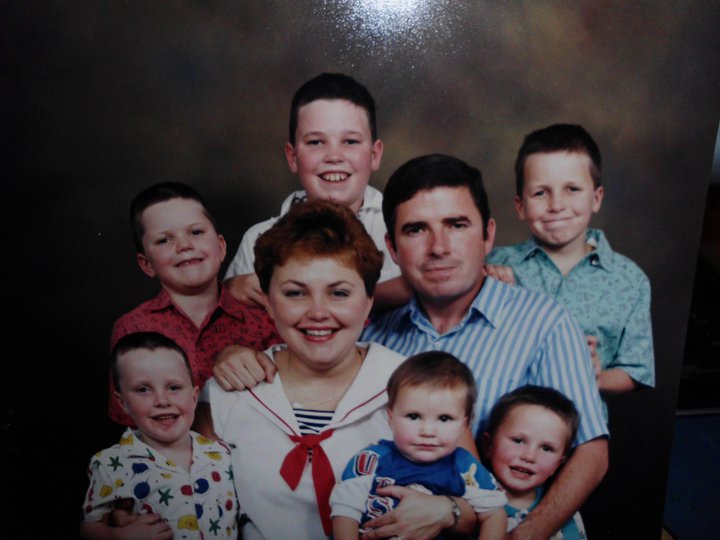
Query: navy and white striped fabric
x=510, y=337
x=311, y=421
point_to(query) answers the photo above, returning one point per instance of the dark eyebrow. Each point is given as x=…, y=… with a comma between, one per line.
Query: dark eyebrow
x=456, y=219
x=413, y=225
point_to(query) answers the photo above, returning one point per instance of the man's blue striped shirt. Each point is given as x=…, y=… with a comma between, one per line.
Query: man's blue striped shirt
x=509, y=337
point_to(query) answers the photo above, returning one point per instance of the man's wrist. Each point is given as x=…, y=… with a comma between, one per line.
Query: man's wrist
x=454, y=512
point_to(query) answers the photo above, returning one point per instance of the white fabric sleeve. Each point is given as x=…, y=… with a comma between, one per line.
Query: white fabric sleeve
x=484, y=500
x=244, y=260
x=349, y=497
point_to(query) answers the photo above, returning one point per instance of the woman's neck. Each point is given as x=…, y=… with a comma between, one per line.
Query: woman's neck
x=311, y=388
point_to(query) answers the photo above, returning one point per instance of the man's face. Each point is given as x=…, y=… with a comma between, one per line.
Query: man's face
x=439, y=246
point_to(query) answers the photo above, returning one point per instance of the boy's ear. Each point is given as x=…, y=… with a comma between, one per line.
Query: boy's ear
x=121, y=399
x=597, y=199
x=489, y=242
x=223, y=247
x=291, y=157
x=145, y=265
x=196, y=394
x=377, y=152
x=519, y=208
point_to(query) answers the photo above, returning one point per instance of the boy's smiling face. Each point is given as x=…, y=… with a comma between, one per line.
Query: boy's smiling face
x=158, y=394
x=558, y=199
x=334, y=154
x=528, y=447
x=181, y=247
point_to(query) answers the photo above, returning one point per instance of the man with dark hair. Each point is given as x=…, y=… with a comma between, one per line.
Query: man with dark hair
x=439, y=231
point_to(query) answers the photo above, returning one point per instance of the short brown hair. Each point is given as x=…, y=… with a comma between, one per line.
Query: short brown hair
x=570, y=138
x=548, y=398
x=157, y=193
x=318, y=229
x=144, y=340
x=436, y=369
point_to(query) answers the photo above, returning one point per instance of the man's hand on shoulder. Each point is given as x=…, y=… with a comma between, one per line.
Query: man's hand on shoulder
x=239, y=368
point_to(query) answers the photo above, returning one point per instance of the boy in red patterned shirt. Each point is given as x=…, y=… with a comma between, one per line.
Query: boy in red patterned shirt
x=177, y=242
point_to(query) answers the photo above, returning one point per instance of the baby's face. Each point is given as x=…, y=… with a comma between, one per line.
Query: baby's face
x=157, y=392
x=181, y=246
x=527, y=448
x=334, y=154
x=427, y=422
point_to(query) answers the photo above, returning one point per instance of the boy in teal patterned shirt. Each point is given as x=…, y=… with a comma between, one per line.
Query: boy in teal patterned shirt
x=558, y=189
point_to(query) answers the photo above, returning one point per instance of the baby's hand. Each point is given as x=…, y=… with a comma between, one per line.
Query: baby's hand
x=501, y=273
x=246, y=288
x=592, y=342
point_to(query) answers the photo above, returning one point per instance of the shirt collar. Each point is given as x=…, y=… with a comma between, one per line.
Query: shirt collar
x=226, y=302
x=161, y=302
x=600, y=256
x=488, y=303
x=372, y=201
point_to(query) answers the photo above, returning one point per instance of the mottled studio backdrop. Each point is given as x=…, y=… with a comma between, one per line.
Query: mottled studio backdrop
x=103, y=98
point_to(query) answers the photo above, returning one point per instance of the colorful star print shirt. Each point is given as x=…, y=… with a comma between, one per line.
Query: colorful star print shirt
x=379, y=465
x=200, y=504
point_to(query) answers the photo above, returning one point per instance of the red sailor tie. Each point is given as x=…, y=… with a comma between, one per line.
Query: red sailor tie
x=322, y=473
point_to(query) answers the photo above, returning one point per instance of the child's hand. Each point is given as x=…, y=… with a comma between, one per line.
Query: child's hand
x=592, y=342
x=238, y=368
x=246, y=288
x=143, y=527
x=501, y=273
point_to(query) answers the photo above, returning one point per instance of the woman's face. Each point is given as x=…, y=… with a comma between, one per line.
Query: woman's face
x=319, y=305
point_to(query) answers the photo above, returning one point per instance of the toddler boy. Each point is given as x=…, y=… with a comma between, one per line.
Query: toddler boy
x=177, y=242
x=176, y=483
x=529, y=434
x=430, y=402
x=559, y=188
x=333, y=147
